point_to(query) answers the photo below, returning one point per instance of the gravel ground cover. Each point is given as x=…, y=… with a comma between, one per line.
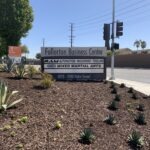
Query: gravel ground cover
x=77, y=105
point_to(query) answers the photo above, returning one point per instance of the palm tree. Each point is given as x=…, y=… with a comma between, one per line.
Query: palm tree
x=137, y=43
x=143, y=44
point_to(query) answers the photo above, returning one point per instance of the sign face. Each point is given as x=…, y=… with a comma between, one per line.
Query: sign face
x=75, y=64
x=14, y=51
x=16, y=60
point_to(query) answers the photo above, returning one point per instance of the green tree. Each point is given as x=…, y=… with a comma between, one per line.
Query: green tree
x=2, y=47
x=137, y=44
x=16, y=17
x=38, y=56
x=24, y=50
x=143, y=44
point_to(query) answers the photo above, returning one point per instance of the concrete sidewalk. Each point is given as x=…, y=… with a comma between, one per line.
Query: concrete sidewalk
x=139, y=86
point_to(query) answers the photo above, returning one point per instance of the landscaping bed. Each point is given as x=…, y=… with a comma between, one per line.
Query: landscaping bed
x=77, y=105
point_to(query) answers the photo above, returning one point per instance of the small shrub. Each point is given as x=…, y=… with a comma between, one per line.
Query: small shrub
x=111, y=120
x=47, y=80
x=105, y=81
x=113, y=105
x=140, y=119
x=145, y=97
x=23, y=119
x=31, y=71
x=112, y=85
x=130, y=90
x=6, y=100
x=19, y=71
x=122, y=85
x=136, y=140
x=114, y=91
x=19, y=146
x=2, y=67
x=141, y=107
x=58, y=125
x=117, y=98
x=6, y=127
x=134, y=96
x=13, y=134
x=87, y=136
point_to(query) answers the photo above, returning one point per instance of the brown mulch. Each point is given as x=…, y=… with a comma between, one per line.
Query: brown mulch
x=77, y=105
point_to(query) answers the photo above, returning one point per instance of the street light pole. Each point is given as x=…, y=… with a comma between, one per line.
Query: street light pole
x=113, y=41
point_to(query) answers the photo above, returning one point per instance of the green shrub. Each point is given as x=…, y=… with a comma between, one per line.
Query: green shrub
x=31, y=71
x=19, y=146
x=114, y=91
x=58, y=125
x=130, y=90
x=13, y=134
x=87, y=136
x=122, y=85
x=141, y=107
x=117, y=98
x=113, y=105
x=6, y=100
x=111, y=120
x=2, y=67
x=6, y=127
x=140, y=119
x=134, y=96
x=112, y=84
x=136, y=140
x=23, y=119
x=19, y=71
x=47, y=80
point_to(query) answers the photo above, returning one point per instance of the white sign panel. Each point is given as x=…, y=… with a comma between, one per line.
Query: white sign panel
x=75, y=51
x=78, y=63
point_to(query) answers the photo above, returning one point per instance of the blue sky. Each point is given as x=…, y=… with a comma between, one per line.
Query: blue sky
x=52, y=18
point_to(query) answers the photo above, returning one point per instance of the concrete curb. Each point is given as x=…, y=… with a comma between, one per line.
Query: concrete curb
x=139, y=86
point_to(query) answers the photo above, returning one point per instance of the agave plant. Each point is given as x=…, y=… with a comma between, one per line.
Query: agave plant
x=117, y=98
x=87, y=136
x=19, y=71
x=8, y=67
x=140, y=119
x=136, y=140
x=113, y=105
x=141, y=107
x=6, y=97
x=110, y=119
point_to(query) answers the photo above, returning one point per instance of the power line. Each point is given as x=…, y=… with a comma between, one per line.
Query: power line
x=139, y=13
x=131, y=19
x=109, y=12
x=86, y=19
x=121, y=12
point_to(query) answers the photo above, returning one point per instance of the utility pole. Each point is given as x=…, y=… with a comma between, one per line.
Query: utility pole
x=43, y=42
x=71, y=36
x=113, y=41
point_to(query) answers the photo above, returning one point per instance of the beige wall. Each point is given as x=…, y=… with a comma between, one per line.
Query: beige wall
x=133, y=61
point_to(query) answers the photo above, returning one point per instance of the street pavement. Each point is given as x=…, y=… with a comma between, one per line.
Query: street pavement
x=139, y=79
x=139, y=75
